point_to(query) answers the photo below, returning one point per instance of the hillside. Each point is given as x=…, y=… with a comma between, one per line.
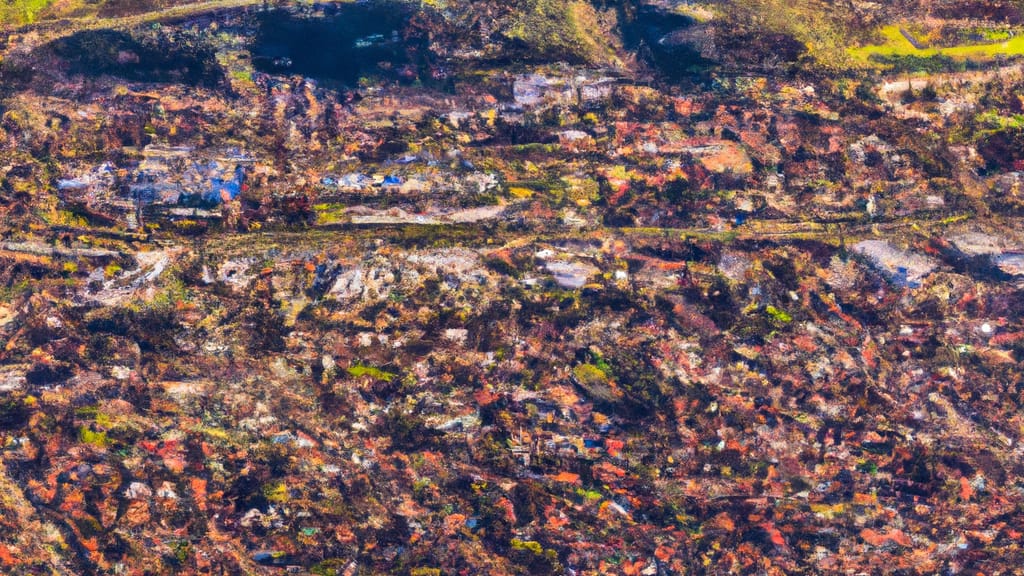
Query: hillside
x=532, y=287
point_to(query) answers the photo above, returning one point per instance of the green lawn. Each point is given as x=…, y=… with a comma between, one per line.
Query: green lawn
x=896, y=45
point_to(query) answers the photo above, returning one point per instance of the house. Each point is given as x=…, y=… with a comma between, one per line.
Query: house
x=94, y=192
x=170, y=179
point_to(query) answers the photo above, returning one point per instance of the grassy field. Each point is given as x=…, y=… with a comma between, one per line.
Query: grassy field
x=896, y=44
x=19, y=12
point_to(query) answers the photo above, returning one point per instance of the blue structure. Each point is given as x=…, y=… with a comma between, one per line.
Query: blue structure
x=176, y=177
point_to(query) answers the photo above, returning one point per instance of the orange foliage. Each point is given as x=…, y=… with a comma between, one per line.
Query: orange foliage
x=6, y=558
x=663, y=553
x=875, y=538
x=567, y=477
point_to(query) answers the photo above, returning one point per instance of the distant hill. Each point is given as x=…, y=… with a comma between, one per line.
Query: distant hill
x=14, y=13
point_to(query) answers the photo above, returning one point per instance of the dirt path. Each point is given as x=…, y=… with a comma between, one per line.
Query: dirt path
x=892, y=89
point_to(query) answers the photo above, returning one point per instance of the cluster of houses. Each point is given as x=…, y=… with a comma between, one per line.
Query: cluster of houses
x=161, y=182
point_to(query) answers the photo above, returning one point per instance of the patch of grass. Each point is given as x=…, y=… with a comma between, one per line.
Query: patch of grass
x=95, y=438
x=990, y=35
x=330, y=213
x=8, y=293
x=535, y=147
x=778, y=314
x=1012, y=47
x=822, y=27
x=531, y=545
x=589, y=495
x=359, y=370
x=20, y=12
x=520, y=192
x=699, y=11
x=276, y=492
x=911, y=63
x=896, y=45
x=173, y=292
x=995, y=120
x=589, y=374
x=560, y=30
